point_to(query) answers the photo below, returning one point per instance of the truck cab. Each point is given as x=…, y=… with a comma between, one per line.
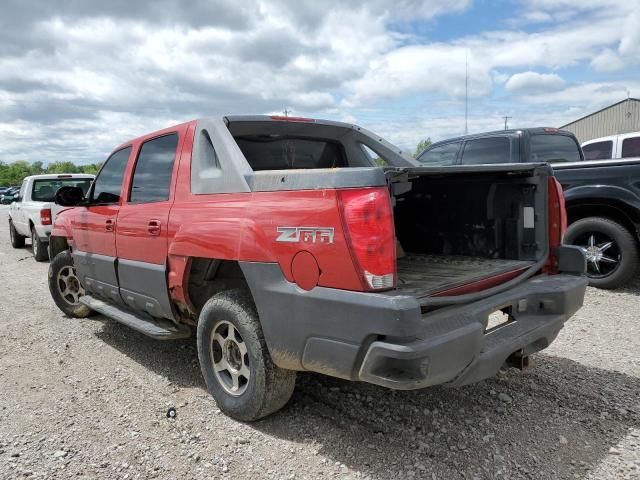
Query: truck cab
x=623, y=145
x=541, y=144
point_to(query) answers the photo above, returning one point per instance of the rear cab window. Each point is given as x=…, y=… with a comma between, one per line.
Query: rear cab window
x=45, y=190
x=269, y=153
x=631, y=147
x=598, y=150
x=306, y=144
x=554, y=148
x=440, y=155
x=487, y=150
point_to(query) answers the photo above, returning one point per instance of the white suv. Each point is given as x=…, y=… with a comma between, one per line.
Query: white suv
x=32, y=212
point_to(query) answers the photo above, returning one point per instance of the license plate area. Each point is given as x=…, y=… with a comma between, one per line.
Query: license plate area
x=498, y=319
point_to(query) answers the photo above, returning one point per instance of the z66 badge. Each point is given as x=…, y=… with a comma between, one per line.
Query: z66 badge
x=305, y=234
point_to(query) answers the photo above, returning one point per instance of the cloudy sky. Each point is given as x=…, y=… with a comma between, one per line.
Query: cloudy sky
x=79, y=77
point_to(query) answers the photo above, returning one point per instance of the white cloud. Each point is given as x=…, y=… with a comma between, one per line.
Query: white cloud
x=532, y=82
x=607, y=61
x=76, y=79
x=588, y=96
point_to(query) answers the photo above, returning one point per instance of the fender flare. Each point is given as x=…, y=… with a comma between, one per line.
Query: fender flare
x=610, y=195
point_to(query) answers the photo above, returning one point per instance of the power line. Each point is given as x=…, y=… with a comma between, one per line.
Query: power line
x=466, y=91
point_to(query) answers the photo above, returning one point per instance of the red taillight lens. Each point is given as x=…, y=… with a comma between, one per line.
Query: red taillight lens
x=368, y=224
x=45, y=216
x=557, y=221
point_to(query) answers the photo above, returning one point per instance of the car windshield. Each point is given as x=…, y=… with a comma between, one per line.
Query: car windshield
x=45, y=190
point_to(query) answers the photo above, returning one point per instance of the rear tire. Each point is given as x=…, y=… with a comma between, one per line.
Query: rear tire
x=617, y=263
x=40, y=248
x=65, y=287
x=234, y=359
x=17, y=240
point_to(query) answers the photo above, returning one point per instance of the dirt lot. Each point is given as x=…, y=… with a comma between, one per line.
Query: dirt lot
x=88, y=399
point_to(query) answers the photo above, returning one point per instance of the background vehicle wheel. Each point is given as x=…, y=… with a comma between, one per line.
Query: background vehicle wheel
x=65, y=287
x=17, y=240
x=234, y=359
x=40, y=252
x=611, y=250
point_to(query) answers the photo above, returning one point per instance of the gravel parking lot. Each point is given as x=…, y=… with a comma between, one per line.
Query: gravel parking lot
x=88, y=399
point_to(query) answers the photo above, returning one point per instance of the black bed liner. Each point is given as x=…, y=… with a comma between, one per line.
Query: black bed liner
x=424, y=275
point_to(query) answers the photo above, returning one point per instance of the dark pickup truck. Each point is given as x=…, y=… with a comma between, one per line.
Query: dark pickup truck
x=602, y=197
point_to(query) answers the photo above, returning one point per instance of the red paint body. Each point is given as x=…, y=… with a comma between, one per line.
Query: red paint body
x=233, y=226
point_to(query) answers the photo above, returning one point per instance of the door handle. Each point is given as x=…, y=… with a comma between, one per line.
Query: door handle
x=108, y=225
x=153, y=227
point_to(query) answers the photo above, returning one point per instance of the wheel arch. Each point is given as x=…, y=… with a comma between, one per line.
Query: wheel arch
x=57, y=244
x=194, y=280
x=615, y=210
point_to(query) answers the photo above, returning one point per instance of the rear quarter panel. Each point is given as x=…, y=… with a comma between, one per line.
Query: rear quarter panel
x=244, y=227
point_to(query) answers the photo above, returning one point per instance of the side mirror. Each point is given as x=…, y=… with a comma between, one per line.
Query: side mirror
x=69, y=196
x=16, y=198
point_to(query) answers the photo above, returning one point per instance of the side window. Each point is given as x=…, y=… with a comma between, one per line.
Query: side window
x=554, y=148
x=598, y=150
x=440, y=155
x=374, y=157
x=107, y=186
x=631, y=147
x=152, y=175
x=487, y=150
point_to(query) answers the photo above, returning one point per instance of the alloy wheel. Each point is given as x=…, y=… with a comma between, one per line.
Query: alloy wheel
x=69, y=285
x=602, y=252
x=230, y=358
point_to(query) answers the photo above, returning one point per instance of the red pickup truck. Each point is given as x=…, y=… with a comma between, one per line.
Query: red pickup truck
x=294, y=244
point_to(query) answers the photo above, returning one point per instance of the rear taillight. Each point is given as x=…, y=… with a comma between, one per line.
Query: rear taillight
x=557, y=222
x=368, y=225
x=45, y=216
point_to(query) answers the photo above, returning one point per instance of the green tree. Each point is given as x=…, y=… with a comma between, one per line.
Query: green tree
x=63, y=167
x=91, y=168
x=36, y=168
x=13, y=173
x=422, y=144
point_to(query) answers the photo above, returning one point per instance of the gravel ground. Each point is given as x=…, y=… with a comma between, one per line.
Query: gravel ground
x=88, y=399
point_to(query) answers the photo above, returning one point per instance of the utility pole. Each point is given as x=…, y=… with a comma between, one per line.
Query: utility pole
x=505, y=121
x=286, y=112
x=466, y=92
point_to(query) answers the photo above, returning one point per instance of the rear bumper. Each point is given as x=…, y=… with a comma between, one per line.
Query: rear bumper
x=43, y=232
x=386, y=340
x=465, y=354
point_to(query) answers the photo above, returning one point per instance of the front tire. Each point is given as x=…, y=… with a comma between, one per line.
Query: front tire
x=234, y=359
x=40, y=251
x=17, y=240
x=65, y=287
x=611, y=250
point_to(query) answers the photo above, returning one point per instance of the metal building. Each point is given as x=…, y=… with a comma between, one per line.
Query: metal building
x=621, y=117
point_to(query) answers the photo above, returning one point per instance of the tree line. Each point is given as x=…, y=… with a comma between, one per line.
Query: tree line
x=12, y=174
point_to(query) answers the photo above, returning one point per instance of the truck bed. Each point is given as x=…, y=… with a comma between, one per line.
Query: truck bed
x=424, y=275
